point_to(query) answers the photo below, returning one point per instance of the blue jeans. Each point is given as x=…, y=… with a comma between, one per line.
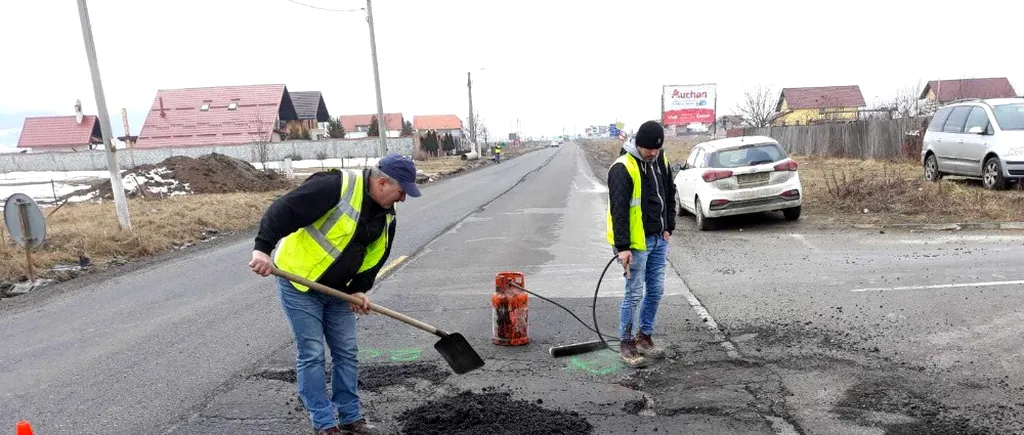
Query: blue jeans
x=313, y=317
x=647, y=270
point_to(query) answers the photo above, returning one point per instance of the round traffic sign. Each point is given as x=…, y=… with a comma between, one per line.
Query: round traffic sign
x=24, y=220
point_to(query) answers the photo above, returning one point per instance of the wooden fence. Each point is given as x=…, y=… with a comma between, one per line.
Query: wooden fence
x=868, y=139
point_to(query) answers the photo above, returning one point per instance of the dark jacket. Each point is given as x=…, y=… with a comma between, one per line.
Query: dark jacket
x=309, y=202
x=658, y=196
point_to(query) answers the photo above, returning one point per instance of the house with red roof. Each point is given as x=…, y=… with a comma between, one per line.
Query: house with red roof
x=79, y=132
x=442, y=124
x=816, y=105
x=357, y=126
x=220, y=115
x=945, y=91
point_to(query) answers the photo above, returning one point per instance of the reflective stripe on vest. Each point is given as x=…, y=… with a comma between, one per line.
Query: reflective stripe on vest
x=310, y=251
x=637, y=236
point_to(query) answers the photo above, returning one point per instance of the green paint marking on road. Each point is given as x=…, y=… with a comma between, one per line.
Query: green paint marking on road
x=406, y=355
x=367, y=354
x=604, y=363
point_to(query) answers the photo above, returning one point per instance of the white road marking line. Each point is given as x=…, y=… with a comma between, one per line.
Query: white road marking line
x=941, y=286
x=392, y=265
x=803, y=240
x=962, y=238
x=709, y=322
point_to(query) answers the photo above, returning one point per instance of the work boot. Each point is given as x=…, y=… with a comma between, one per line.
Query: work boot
x=359, y=427
x=646, y=346
x=629, y=354
x=329, y=431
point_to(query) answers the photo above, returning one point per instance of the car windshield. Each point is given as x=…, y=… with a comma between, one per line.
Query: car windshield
x=746, y=156
x=1010, y=116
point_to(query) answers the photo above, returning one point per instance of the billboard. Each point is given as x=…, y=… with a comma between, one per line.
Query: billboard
x=688, y=106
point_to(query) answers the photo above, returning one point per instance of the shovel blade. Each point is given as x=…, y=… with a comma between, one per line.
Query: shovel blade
x=458, y=353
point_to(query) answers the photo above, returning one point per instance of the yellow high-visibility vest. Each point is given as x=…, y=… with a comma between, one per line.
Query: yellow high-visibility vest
x=637, y=237
x=309, y=251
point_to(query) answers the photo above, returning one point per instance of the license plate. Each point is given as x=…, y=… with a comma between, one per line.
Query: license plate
x=759, y=177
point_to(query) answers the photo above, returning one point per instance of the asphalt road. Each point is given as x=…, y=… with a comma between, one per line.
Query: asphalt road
x=773, y=327
x=134, y=352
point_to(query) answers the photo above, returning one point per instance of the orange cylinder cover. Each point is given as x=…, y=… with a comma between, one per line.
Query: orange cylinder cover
x=510, y=310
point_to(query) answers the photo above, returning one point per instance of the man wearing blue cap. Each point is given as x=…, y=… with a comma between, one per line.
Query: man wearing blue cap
x=337, y=229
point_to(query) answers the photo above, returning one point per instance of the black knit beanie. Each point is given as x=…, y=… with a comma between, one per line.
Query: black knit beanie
x=650, y=135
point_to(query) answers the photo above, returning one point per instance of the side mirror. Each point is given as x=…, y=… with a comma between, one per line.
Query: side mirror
x=976, y=130
x=676, y=167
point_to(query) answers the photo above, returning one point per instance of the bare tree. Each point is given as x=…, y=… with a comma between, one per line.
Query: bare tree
x=260, y=134
x=903, y=103
x=758, y=106
x=481, y=128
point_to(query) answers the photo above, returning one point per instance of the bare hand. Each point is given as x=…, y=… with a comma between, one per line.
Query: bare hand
x=626, y=258
x=363, y=308
x=260, y=263
x=667, y=235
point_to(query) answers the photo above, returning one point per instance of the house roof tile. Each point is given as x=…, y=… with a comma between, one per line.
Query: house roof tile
x=436, y=122
x=176, y=117
x=310, y=105
x=60, y=131
x=821, y=97
x=996, y=87
x=393, y=121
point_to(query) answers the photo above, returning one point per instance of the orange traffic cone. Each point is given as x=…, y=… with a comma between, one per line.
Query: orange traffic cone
x=23, y=428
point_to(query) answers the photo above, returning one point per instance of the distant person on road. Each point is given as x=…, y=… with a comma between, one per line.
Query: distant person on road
x=497, y=152
x=341, y=243
x=641, y=218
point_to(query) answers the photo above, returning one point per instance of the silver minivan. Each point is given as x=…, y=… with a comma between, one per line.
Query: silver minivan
x=978, y=139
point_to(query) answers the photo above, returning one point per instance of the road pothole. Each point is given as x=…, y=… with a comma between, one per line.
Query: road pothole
x=490, y=412
x=374, y=377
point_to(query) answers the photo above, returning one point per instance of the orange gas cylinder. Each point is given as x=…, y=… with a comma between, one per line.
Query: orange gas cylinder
x=510, y=310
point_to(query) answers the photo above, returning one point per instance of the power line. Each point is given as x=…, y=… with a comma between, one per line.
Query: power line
x=326, y=9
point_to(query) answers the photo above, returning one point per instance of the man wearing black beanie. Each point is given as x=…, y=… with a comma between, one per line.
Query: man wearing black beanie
x=641, y=217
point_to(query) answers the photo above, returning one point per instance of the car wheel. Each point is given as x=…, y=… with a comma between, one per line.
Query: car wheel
x=992, y=177
x=931, y=168
x=680, y=211
x=703, y=223
x=791, y=214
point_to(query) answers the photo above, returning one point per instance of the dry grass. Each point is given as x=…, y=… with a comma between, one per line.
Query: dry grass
x=896, y=191
x=441, y=165
x=839, y=190
x=159, y=225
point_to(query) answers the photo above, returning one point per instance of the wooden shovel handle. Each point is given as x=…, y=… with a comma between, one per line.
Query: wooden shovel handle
x=354, y=300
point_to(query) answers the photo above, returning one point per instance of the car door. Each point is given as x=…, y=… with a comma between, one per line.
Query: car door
x=953, y=139
x=934, y=139
x=689, y=176
x=972, y=146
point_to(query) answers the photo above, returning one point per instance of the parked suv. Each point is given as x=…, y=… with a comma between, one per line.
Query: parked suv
x=977, y=138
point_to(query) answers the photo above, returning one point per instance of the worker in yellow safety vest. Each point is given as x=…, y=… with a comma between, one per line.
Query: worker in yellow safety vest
x=641, y=218
x=497, y=152
x=337, y=229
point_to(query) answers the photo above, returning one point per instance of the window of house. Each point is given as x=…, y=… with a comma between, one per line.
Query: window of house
x=233, y=105
x=205, y=106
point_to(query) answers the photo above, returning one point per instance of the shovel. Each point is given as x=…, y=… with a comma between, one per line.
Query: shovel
x=453, y=347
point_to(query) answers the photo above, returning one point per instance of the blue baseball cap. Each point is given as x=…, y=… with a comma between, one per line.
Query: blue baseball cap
x=403, y=170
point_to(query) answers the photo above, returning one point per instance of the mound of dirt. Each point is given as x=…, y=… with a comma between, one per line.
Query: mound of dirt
x=493, y=413
x=181, y=175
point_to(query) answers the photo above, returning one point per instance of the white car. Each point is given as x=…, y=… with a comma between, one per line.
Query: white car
x=977, y=138
x=735, y=176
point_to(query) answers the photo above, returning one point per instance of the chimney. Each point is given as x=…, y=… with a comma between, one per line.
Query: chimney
x=78, y=111
x=162, y=114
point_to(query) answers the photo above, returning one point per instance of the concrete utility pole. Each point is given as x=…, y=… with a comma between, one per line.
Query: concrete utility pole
x=472, y=116
x=120, y=201
x=382, y=124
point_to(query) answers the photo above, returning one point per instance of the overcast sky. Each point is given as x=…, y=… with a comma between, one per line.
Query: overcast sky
x=551, y=64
